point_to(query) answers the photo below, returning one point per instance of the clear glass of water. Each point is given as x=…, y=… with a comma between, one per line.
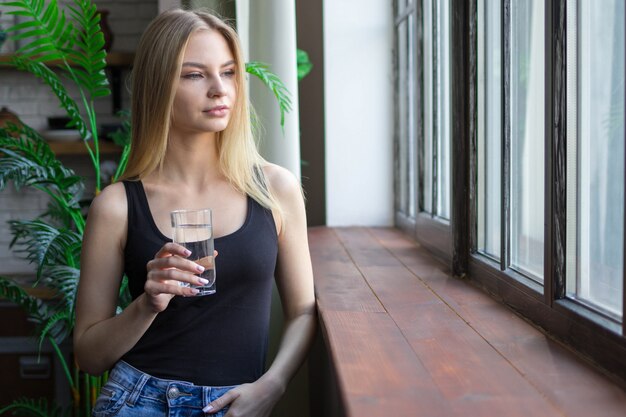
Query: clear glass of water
x=193, y=230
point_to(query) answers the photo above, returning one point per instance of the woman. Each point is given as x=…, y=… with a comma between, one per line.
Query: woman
x=192, y=147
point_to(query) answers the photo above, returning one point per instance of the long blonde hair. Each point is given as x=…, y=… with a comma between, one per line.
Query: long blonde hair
x=156, y=70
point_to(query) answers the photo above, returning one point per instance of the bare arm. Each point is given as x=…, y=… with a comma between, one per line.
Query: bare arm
x=100, y=337
x=294, y=279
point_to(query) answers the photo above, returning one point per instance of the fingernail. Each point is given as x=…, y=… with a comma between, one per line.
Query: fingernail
x=207, y=408
x=187, y=252
x=195, y=291
x=200, y=268
x=203, y=281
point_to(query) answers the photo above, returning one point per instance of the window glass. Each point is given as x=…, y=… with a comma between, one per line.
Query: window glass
x=427, y=181
x=444, y=108
x=412, y=129
x=527, y=136
x=406, y=131
x=403, y=4
x=403, y=116
x=595, y=143
x=489, y=156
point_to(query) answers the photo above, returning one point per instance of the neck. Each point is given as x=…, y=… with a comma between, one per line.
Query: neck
x=192, y=159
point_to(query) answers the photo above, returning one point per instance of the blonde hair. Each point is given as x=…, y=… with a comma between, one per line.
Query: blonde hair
x=156, y=70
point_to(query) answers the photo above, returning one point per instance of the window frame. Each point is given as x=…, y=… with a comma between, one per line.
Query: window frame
x=593, y=334
x=432, y=232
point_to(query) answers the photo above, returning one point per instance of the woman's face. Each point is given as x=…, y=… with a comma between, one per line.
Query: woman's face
x=207, y=88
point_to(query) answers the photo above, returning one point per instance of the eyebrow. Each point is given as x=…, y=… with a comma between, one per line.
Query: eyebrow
x=199, y=65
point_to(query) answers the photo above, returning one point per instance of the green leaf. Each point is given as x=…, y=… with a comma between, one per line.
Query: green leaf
x=124, y=296
x=64, y=279
x=57, y=327
x=39, y=42
x=121, y=136
x=27, y=160
x=35, y=408
x=14, y=3
x=57, y=213
x=271, y=81
x=51, y=12
x=35, y=308
x=27, y=34
x=90, y=44
x=46, y=27
x=304, y=64
x=44, y=245
x=41, y=71
x=24, y=162
x=21, y=26
x=41, y=53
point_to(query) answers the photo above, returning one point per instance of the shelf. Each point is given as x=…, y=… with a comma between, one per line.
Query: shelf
x=120, y=59
x=114, y=60
x=26, y=281
x=78, y=148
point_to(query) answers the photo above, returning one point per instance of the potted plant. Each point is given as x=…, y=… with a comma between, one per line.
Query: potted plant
x=61, y=50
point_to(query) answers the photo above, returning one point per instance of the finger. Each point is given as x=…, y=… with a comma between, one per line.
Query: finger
x=176, y=262
x=157, y=288
x=215, y=253
x=172, y=274
x=172, y=248
x=221, y=402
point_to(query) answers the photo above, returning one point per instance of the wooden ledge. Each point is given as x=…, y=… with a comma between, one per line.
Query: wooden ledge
x=405, y=338
x=113, y=59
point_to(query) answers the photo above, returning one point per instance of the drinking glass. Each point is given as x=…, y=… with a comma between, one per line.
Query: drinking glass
x=193, y=229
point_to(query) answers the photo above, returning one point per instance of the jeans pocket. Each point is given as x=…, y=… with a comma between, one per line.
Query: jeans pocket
x=110, y=400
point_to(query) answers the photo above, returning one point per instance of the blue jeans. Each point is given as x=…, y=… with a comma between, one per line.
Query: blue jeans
x=130, y=392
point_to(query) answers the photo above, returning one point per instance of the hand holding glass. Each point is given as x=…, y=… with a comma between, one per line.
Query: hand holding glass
x=193, y=230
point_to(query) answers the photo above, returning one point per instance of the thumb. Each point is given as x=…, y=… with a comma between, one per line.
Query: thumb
x=221, y=402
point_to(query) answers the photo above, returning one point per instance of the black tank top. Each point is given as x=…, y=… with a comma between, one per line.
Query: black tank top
x=214, y=340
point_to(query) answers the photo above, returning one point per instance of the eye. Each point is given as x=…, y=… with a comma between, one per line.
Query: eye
x=229, y=73
x=192, y=76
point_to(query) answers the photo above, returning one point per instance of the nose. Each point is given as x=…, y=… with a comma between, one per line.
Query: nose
x=217, y=88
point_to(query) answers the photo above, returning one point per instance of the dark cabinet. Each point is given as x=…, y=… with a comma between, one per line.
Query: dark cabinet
x=25, y=372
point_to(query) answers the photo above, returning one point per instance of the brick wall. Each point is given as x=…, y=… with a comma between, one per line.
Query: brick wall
x=33, y=102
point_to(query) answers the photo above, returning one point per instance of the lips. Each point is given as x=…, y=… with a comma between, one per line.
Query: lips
x=218, y=111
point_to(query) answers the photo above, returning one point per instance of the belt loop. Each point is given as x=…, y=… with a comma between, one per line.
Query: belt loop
x=132, y=398
x=206, y=396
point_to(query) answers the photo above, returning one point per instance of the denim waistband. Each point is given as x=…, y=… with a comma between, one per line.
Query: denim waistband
x=175, y=393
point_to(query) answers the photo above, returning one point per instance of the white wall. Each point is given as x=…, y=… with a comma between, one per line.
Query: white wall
x=358, y=77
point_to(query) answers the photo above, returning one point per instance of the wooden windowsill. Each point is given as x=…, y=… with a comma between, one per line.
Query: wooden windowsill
x=406, y=338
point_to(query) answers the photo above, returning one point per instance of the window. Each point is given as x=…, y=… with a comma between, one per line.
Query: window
x=437, y=109
x=511, y=155
x=406, y=117
x=423, y=117
x=489, y=152
x=595, y=154
x=526, y=135
x=443, y=99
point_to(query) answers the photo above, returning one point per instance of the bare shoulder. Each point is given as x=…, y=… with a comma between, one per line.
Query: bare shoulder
x=285, y=186
x=287, y=190
x=110, y=205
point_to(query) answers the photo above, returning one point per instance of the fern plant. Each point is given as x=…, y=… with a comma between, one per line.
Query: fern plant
x=74, y=48
x=61, y=50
